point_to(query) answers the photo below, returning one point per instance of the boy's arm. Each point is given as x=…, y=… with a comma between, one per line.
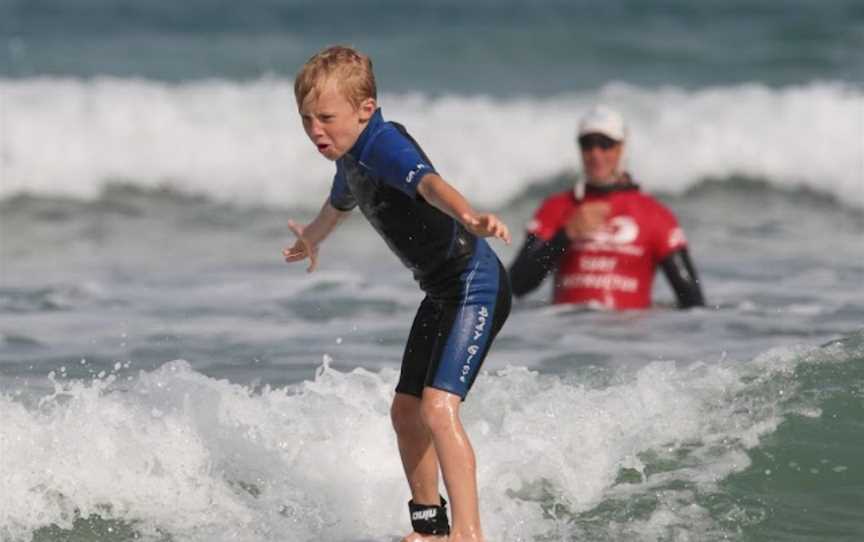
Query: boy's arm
x=310, y=237
x=442, y=195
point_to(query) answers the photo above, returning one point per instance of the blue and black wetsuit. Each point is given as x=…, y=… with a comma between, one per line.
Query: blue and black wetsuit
x=467, y=290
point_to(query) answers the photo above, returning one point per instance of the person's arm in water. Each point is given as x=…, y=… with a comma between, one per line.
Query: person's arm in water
x=442, y=195
x=538, y=257
x=535, y=260
x=309, y=237
x=682, y=276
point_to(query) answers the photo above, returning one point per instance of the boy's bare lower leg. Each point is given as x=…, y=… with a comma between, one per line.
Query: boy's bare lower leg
x=418, y=455
x=416, y=449
x=429, y=431
x=440, y=413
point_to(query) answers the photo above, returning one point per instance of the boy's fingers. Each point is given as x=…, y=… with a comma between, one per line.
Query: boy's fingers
x=293, y=256
x=500, y=228
x=469, y=219
x=313, y=262
x=504, y=234
x=488, y=225
x=295, y=228
x=307, y=247
x=307, y=251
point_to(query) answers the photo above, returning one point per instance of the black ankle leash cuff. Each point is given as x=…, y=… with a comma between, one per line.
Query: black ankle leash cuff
x=429, y=519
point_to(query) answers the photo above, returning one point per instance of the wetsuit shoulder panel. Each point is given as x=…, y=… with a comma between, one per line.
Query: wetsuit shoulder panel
x=396, y=159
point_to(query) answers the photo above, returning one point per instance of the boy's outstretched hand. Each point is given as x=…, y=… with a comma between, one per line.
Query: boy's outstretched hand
x=302, y=249
x=487, y=225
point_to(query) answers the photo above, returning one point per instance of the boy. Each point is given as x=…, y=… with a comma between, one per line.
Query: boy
x=437, y=234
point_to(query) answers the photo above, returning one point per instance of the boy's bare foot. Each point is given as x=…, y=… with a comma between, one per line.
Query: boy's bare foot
x=416, y=537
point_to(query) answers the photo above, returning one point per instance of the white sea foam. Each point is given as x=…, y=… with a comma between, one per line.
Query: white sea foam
x=175, y=452
x=243, y=141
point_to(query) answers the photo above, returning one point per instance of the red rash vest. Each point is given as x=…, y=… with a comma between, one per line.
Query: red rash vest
x=615, y=266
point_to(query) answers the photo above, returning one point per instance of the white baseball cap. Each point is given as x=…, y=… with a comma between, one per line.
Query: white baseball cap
x=603, y=120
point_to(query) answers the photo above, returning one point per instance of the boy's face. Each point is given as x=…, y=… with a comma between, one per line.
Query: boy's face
x=332, y=122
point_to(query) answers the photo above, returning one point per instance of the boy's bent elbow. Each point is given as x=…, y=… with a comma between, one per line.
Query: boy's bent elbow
x=429, y=186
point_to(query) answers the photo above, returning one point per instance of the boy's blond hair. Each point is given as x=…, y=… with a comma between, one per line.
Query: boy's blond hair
x=351, y=68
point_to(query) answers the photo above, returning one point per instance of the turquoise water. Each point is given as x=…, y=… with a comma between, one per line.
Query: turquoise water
x=481, y=46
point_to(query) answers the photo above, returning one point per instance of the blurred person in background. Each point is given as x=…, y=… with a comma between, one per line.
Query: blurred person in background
x=605, y=238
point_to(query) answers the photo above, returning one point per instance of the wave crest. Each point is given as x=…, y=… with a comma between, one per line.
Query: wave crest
x=242, y=141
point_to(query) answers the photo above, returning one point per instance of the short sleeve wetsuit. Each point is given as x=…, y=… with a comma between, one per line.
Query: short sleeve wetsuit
x=467, y=290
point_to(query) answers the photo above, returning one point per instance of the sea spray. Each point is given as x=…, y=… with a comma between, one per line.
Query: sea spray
x=174, y=451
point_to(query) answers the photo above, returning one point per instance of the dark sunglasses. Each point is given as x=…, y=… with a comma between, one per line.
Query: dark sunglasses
x=589, y=141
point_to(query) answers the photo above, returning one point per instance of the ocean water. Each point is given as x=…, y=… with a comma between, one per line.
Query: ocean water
x=164, y=376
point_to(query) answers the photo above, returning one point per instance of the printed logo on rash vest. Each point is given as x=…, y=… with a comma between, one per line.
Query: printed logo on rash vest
x=598, y=272
x=617, y=235
x=621, y=230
